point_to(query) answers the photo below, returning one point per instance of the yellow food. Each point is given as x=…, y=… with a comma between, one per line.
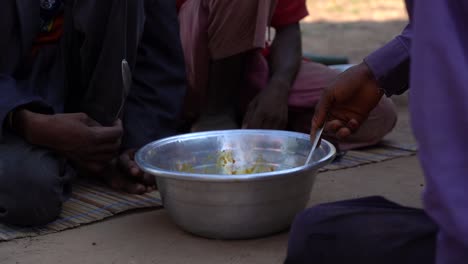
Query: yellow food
x=226, y=164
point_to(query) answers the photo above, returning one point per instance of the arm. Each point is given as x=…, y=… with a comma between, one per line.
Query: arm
x=270, y=108
x=285, y=58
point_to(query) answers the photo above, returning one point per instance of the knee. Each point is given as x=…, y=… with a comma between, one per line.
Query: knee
x=34, y=190
x=300, y=249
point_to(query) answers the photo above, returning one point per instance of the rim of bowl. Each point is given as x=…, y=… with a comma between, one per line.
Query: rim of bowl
x=159, y=172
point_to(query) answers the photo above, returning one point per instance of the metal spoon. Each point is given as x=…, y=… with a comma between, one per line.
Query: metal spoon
x=318, y=134
x=127, y=83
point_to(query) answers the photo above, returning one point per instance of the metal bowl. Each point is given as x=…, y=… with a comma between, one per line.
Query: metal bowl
x=194, y=176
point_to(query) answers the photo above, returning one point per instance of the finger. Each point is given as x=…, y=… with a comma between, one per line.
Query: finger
x=106, y=134
x=343, y=133
x=331, y=127
x=321, y=111
x=353, y=125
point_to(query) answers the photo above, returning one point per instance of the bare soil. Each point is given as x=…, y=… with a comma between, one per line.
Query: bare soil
x=351, y=28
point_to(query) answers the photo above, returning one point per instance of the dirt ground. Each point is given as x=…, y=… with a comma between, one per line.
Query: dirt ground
x=351, y=28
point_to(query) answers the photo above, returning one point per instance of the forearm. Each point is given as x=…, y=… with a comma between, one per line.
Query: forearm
x=286, y=55
x=26, y=124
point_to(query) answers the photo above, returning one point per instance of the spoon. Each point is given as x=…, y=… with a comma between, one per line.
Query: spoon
x=127, y=83
x=318, y=134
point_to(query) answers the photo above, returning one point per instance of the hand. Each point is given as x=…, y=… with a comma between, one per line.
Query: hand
x=347, y=102
x=76, y=136
x=269, y=110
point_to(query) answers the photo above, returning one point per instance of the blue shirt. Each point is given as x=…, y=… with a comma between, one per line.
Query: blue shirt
x=431, y=57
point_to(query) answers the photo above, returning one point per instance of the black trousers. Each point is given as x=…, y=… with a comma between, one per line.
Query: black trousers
x=98, y=35
x=366, y=231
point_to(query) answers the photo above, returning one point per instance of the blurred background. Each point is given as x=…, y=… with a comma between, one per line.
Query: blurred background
x=351, y=28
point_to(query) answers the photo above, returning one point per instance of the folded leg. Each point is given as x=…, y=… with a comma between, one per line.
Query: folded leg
x=34, y=182
x=366, y=231
x=98, y=35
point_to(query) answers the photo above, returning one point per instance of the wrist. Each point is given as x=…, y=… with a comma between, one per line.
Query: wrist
x=280, y=86
x=27, y=124
x=368, y=75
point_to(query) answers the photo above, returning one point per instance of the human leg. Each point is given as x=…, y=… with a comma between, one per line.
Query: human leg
x=34, y=182
x=366, y=230
x=98, y=35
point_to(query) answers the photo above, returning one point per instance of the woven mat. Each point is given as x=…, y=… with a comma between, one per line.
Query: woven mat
x=91, y=203
x=383, y=152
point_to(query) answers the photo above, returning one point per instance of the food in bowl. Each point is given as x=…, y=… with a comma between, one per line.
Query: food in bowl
x=226, y=163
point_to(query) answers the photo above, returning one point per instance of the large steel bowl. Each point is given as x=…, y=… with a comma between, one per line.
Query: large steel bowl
x=203, y=198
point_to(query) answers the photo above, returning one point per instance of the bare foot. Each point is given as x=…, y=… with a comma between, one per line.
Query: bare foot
x=120, y=181
x=126, y=176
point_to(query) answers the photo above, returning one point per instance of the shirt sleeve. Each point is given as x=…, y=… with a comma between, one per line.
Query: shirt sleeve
x=390, y=64
x=14, y=95
x=439, y=112
x=14, y=92
x=289, y=12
